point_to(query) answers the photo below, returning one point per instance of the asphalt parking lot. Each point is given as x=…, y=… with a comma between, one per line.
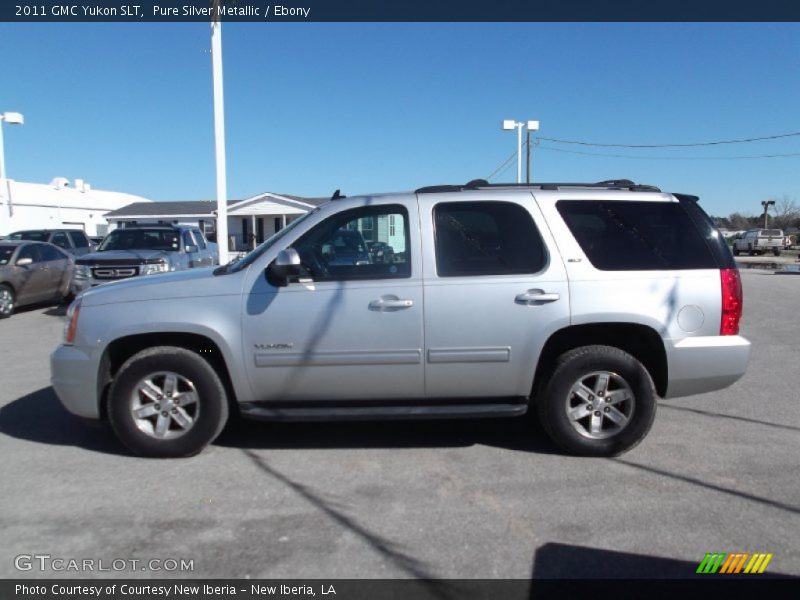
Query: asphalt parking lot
x=454, y=499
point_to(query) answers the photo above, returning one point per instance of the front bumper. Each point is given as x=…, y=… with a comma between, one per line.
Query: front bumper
x=704, y=364
x=73, y=374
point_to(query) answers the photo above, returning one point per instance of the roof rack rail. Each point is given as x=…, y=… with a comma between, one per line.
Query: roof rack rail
x=476, y=184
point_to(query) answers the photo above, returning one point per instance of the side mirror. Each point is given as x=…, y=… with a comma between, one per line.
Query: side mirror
x=285, y=266
x=191, y=249
x=24, y=262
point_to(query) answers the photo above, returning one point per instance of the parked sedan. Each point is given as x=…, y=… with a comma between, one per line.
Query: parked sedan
x=32, y=272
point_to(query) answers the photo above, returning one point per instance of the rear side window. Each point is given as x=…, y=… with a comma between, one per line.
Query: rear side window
x=49, y=252
x=637, y=236
x=486, y=238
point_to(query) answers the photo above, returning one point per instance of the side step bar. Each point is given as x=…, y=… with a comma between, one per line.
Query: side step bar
x=255, y=410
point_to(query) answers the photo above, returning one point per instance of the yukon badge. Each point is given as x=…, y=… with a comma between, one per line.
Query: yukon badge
x=288, y=346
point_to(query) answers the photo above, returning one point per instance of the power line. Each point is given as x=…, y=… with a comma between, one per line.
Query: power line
x=670, y=157
x=695, y=144
x=503, y=164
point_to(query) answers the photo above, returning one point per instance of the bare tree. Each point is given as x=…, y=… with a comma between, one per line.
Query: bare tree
x=786, y=212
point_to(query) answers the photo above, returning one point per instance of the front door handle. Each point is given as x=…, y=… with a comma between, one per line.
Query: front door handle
x=390, y=303
x=535, y=297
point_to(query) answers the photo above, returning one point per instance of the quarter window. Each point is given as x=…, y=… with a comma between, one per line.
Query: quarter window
x=338, y=250
x=634, y=235
x=486, y=238
x=79, y=239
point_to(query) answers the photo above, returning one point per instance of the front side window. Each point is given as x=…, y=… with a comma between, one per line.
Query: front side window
x=49, y=252
x=636, y=235
x=79, y=239
x=60, y=240
x=486, y=238
x=356, y=244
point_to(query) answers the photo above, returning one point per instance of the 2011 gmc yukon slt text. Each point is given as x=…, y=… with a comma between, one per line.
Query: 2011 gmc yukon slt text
x=583, y=302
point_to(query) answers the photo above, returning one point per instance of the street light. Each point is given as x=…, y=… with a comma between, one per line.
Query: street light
x=509, y=124
x=766, y=204
x=12, y=118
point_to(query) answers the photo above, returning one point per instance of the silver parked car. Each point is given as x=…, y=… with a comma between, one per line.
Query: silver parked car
x=583, y=302
x=32, y=272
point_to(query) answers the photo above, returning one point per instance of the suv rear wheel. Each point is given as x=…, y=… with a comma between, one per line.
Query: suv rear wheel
x=167, y=402
x=600, y=401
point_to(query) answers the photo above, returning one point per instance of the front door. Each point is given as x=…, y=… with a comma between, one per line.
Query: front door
x=351, y=327
x=493, y=294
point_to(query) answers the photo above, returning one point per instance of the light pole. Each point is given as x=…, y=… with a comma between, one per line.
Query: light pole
x=12, y=118
x=509, y=124
x=766, y=204
x=219, y=136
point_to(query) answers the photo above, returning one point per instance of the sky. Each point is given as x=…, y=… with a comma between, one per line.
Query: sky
x=372, y=107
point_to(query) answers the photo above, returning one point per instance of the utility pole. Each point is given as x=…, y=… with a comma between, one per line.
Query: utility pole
x=219, y=135
x=510, y=124
x=766, y=204
x=528, y=146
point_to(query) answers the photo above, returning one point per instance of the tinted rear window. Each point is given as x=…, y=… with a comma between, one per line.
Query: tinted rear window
x=636, y=236
x=5, y=254
x=35, y=236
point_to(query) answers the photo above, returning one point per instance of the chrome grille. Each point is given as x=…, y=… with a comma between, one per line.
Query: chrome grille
x=115, y=272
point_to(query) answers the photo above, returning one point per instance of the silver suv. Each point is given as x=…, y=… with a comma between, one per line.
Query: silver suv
x=583, y=302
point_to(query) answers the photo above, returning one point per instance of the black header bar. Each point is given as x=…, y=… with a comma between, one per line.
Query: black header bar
x=135, y=11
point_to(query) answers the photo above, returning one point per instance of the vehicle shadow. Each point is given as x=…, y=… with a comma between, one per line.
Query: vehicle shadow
x=522, y=434
x=39, y=417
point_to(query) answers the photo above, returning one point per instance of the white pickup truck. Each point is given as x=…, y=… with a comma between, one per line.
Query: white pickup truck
x=759, y=241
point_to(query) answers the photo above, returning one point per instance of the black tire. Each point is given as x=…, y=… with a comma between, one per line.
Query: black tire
x=776, y=252
x=7, y=300
x=209, y=412
x=735, y=250
x=581, y=364
x=750, y=250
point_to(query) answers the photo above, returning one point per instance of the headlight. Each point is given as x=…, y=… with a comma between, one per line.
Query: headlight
x=71, y=323
x=154, y=268
x=82, y=272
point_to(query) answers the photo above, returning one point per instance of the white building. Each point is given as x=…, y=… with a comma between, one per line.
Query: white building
x=250, y=221
x=60, y=204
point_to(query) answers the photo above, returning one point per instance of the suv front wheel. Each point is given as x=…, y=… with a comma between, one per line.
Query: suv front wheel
x=600, y=401
x=167, y=402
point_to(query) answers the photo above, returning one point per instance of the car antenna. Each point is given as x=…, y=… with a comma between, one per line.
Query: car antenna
x=337, y=194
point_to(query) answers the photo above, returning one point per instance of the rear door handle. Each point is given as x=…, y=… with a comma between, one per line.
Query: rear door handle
x=536, y=296
x=390, y=303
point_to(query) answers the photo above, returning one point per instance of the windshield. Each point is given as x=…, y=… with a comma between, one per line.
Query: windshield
x=141, y=239
x=35, y=236
x=249, y=259
x=5, y=254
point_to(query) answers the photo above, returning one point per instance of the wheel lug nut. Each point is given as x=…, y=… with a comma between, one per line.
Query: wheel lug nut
x=174, y=410
x=597, y=413
x=607, y=409
x=164, y=414
x=158, y=407
x=591, y=398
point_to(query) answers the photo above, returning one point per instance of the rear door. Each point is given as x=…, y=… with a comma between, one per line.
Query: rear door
x=494, y=293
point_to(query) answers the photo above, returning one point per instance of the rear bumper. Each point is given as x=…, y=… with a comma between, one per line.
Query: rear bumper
x=73, y=374
x=704, y=364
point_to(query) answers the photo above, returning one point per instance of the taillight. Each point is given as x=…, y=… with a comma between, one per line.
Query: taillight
x=731, y=301
x=72, y=322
